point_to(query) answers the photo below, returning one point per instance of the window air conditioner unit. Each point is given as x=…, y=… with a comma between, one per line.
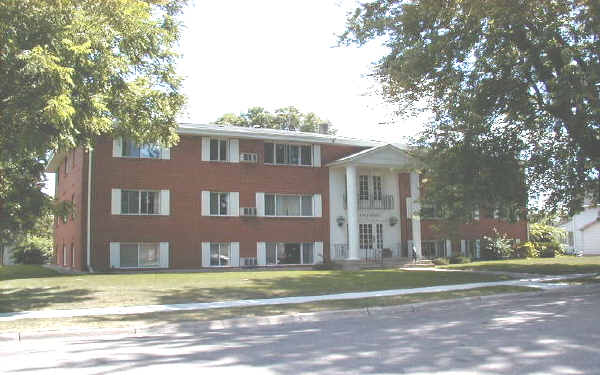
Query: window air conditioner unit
x=248, y=211
x=248, y=157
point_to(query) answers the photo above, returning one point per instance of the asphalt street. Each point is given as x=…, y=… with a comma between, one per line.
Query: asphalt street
x=554, y=332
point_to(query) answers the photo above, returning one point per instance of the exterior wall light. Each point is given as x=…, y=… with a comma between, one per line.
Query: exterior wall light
x=393, y=221
x=340, y=221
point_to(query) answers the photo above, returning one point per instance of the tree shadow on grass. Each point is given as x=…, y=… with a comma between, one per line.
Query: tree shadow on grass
x=320, y=284
x=24, y=299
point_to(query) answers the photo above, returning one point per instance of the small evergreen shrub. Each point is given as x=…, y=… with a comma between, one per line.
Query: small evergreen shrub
x=496, y=247
x=460, y=260
x=441, y=261
x=526, y=250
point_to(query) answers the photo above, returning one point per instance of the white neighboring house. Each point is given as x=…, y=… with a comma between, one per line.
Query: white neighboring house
x=583, y=231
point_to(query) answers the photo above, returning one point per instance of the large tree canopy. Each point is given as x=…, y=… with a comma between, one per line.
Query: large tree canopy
x=287, y=118
x=523, y=75
x=71, y=70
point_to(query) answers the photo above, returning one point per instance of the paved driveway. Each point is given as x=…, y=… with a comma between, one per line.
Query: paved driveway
x=556, y=332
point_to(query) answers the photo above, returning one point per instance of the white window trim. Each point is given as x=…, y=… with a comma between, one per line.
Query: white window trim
x=139, y=246
x=165, y=152
x=312, y=155
x=219, y=209
x=227, y=149
x=160, y=203
x=292, y=195
x=316, y=247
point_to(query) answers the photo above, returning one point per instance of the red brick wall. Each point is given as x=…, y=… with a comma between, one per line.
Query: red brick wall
x=72, y=186
x=186, y=175
x=476, y=230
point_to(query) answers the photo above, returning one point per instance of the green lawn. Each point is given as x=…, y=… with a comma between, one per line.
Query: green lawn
x=157, y=319
x=96, y=290
x=547, y=266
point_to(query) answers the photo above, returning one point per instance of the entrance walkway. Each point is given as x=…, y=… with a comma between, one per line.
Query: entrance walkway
x=542, y=282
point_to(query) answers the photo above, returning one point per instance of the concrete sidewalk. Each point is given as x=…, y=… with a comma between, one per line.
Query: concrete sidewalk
x=542, y=282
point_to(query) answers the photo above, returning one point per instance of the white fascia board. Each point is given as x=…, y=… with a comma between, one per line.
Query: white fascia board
x=271, y=134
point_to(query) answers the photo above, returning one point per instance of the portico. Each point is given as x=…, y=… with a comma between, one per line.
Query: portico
x=366, y=205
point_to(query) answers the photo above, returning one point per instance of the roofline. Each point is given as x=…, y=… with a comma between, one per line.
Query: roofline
x=350, y=158
x=247, y=133
x=271, y=134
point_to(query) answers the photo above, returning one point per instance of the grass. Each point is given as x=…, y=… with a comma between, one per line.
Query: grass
x=546, y=266
x=100, y=290
x=25, y=271
x=157, y=319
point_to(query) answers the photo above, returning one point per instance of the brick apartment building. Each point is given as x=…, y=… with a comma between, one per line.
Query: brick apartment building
x=228, y=196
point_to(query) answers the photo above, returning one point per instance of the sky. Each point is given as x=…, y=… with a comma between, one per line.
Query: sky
x=239, y=54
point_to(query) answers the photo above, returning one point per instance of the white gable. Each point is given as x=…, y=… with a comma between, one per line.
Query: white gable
x=382, y=156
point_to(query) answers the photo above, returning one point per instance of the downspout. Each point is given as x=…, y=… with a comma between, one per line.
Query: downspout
x=89, y=212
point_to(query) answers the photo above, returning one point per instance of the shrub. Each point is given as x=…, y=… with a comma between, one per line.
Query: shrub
x=549, y=249
x=526, y=250
x=460, y=260
x=440, y=261
x=30, y=254
x=496, y=246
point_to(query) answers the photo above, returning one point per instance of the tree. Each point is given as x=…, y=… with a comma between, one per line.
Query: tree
x=72, y=70
x=522, y=73
x=36, y=247
x=287, y=118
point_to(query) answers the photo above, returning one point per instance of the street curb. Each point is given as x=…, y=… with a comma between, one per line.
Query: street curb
x=249, y=322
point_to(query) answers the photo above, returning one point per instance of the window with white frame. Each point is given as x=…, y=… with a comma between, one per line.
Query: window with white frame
x=131, y=149
x=288, y=154
x=431, y=211
x=377, y=194
x=379, y=237
x=473, y=248
x=365, y=233
x=433, y=248
x=139, y=255
x=218, y=149
x=220, y=254
x=288, y=205
x=140, y=202
x=289, y=253
x=219, y=204
x=363, y=188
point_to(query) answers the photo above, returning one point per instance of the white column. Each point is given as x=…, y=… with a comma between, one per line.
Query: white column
x=415, y=193
x=448, y=248
x=352, y=199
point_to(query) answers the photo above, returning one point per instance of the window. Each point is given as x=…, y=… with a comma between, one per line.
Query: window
x=290, y=253
x=288, y=205
x=218, y=204
x=218, y=150
x=379, y=237
x=433, y=249
x=431, y=211
x=72, y=255
x=72, y=206
x=140, y=255
x=220, y=254
x=365, y=232
x=363, y=188
x=288, y=154
x=377, y=195
x=140, y=202
x=64, y=255
x=131, y=149
x=473, y=248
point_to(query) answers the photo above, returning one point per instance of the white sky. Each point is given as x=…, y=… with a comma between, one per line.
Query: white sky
x=271, y=53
